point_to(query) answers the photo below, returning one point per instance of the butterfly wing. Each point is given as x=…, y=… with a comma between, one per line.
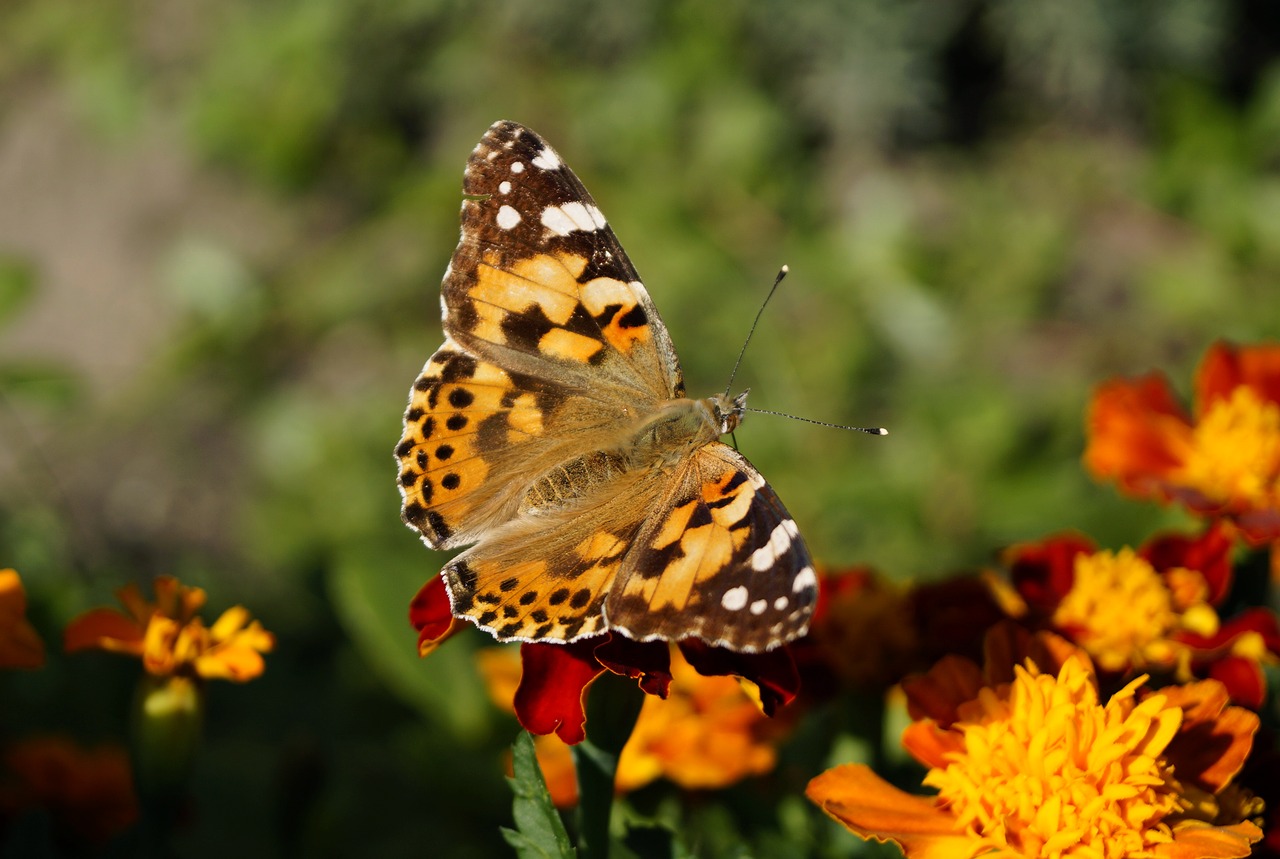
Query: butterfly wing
x=720, y=560
x=552, y=344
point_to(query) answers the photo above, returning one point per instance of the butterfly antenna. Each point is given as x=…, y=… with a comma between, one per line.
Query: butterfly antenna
x=868, y=430
x=782, y=272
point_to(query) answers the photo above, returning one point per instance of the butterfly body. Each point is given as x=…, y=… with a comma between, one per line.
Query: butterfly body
x=552, y=430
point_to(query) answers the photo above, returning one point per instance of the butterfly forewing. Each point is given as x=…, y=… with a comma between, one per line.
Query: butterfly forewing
x=525, y=435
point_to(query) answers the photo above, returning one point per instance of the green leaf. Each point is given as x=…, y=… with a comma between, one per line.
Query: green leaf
x=539, y=832
x=371, y=591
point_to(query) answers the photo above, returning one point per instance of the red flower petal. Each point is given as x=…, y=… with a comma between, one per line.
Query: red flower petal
x=431, y=614
x=773, y=671
x=1209, y=554
x=1043, y=572
x=1136, y=431
x=552, y=687
x=649, y=662
x=1226, y=367
x=1243, y=678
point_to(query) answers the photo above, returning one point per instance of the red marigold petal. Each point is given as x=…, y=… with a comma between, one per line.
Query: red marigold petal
x=953, y=616
x=872, y=808
x=773, y=671
x=1226, y=367
x=553, y=685
x=431, y=614
x=649, y=662
x=1136, y=433
x=1044, y=571
x=1263, y=621
x=1209, y=553
x=937, y=693
x=1243, y=678
x=103, y=629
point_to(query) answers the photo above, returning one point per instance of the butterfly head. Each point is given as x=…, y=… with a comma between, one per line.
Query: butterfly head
x=728, y=412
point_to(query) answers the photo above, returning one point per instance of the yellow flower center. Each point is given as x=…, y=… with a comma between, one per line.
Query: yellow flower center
x=1049, y=772
x=1235, y=451
x=1117, y=608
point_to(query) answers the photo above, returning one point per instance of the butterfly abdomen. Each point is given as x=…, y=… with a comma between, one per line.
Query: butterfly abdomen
x=573, y=480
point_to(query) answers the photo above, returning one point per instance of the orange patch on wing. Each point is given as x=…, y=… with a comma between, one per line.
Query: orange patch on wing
x=561, y=343
x=674, y=526
x=604, y=292
x=707, y=550
x=601, y=544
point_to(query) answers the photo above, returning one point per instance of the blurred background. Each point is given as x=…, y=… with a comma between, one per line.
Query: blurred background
x=223, y=225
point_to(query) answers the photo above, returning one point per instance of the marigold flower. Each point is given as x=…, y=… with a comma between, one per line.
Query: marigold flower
x=170, y=638
x=707, y=733
x=1029, y=761
x=88, y=792
x=553, y=684
x=20, y=644
x=1149, y=610
x=1221, y=460
x=867, y=632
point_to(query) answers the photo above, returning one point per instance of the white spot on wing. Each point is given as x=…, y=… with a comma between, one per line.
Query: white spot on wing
x=780, y=603
x=734, y=598
x=547, y=159
x=779, y=541
x=504, y=187
x=508, y=217
x=568, y=217
x=759, y=606
x=805, y=580
x=517, y=167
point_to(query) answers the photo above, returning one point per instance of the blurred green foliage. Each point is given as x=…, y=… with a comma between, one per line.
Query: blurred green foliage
x=988, y=206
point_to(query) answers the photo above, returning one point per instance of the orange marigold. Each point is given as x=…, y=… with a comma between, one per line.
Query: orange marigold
x=170, y=638
x=1222, y=459
x=1029, y=761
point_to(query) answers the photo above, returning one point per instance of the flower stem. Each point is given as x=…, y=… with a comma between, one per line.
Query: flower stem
x=612, y=709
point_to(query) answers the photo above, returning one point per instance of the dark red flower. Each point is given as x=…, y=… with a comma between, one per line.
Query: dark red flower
x=555, y=678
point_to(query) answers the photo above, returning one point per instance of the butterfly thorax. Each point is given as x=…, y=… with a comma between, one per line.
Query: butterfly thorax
x=661, y=440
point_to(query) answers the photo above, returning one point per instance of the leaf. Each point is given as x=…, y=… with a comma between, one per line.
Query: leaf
x=539, y=832
x=371, y=590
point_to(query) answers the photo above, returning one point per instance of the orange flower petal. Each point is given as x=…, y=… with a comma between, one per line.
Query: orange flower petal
x=1215, y=739
x=104, y=629
x=1196, y=840
x=1138, y=434
x=1226, y=367
x=20, y=644
x=870, y=807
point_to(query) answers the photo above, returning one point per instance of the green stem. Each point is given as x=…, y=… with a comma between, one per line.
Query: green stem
x=613, y=705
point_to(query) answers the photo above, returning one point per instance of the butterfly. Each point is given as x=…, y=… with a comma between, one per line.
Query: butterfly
x=552, y=431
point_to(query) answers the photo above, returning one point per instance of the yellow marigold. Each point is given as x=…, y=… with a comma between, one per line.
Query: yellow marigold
x=170, y=638
x=707, y=733
x=1039, y=766
x=20, y=645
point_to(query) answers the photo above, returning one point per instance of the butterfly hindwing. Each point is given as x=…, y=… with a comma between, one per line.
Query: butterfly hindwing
x=722, y=561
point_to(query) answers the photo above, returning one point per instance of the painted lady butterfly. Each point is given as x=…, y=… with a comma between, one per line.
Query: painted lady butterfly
x=552, y=430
